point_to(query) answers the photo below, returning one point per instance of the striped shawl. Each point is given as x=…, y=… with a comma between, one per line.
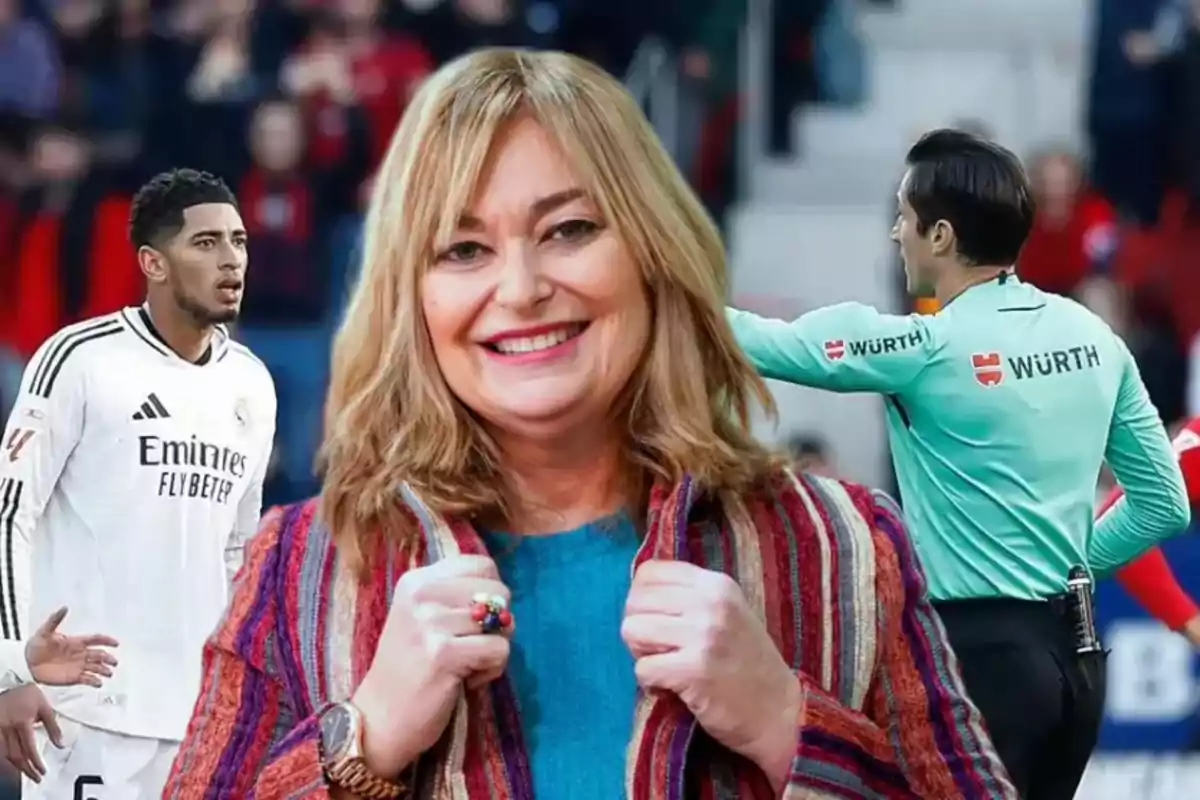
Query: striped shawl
x=826, y=565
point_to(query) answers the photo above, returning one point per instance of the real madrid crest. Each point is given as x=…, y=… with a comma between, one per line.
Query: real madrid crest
x=241, y=413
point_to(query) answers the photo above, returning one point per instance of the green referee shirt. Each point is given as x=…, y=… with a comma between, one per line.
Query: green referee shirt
x=1001, y=409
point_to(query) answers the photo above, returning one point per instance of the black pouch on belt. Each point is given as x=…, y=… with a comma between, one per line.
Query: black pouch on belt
x=1081, y=612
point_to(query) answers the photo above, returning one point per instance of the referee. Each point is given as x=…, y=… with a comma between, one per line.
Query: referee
x=1001, y=409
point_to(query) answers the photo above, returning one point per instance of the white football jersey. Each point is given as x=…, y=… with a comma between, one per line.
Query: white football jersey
x=129, y=481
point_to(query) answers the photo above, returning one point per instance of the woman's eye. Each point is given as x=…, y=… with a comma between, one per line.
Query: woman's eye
x=462, y=252
x=573, y=230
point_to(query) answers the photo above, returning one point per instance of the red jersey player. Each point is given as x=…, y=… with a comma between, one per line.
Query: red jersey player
x=1148, y=578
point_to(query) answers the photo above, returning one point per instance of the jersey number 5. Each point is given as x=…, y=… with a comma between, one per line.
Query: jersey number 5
x=16, y=442
x=83, y=782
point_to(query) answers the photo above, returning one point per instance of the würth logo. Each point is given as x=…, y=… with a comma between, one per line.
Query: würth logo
x=152, y=409
x=835, y=349
x=988, y=369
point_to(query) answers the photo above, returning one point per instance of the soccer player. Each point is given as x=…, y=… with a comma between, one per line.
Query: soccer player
x=130, y=475
x=1001, y=409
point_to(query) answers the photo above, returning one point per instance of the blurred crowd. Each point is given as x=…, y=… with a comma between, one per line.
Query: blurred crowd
x=292, y=102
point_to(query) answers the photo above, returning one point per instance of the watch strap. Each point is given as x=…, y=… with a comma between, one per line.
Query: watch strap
x=353, y=775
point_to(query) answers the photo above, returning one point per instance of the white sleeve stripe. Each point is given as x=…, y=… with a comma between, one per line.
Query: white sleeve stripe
x=52, y=362
x=10, y=501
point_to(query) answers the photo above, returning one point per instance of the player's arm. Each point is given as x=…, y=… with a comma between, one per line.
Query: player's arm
x=1139, y=454
x=1149, y=578
x=248, y=512
x=45, y=425
x=849, y=347
x=250, y=506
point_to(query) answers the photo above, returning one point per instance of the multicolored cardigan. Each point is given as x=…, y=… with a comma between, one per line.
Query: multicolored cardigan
x=827, y=566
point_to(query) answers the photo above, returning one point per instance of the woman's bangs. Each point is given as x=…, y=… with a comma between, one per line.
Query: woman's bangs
x=457, y=154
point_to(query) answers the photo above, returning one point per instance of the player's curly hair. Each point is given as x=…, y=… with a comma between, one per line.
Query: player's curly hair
x=159, y=205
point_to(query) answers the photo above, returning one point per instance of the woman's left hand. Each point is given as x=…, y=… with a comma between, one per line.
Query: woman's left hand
x=693, y=633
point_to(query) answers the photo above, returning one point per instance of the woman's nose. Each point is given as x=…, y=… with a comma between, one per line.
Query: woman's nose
x=521, y=283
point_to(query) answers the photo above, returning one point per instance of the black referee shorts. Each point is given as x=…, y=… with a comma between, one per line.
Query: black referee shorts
x=1042, y=702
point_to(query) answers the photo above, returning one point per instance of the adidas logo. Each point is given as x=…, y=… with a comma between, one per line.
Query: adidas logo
x=152, y=409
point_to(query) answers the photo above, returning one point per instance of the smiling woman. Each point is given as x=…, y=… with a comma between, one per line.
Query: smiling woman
x=541, y=496
x=525, y=206
x=536, y=311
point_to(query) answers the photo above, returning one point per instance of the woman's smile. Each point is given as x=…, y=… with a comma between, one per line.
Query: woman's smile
x=542, y=344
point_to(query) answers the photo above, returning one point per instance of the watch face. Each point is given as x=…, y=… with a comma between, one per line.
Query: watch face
x=335, y=731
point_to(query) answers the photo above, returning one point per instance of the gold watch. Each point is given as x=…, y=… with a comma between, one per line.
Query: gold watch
x=342, y=756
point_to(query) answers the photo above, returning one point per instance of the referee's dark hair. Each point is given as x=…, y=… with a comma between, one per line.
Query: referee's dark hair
x=159, y=205
x=976, y=186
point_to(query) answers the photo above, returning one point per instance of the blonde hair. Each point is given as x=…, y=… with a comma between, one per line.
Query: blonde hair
x=391, y=418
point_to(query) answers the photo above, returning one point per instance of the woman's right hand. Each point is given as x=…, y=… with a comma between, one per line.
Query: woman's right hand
x=429, y=646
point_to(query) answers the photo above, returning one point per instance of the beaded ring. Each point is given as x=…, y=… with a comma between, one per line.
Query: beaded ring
x=491, y=612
